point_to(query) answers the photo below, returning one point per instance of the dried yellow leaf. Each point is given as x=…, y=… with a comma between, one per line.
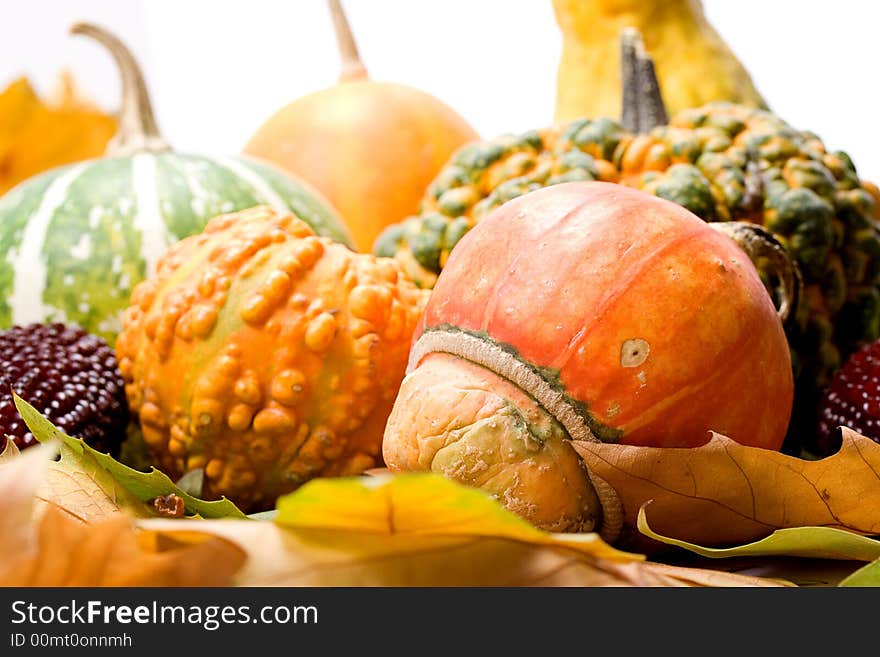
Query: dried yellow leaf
x=36, y=135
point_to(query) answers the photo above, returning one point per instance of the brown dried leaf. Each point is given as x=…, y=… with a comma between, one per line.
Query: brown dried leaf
x=10, y=450
x=707, y=577
x=300, y=557
x=109, y=553
x=726, y=493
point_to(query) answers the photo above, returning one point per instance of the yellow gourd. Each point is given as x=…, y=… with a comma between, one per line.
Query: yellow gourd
x=694, y=64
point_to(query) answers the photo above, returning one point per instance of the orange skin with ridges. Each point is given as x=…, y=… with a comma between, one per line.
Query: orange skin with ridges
x=266, y=355
x=567, y=274
x=370, y=147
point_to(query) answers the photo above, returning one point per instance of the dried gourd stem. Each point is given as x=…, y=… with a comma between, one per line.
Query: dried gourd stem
x=352, y=66
x=643, y=108
x=612, y=508
x=506, y=365
x=137, y=126
x=760, y=244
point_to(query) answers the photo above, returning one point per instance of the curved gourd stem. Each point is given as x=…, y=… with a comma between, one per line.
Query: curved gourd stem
x=510, y=367
x=760, y=244
x=137, y=126
x=642, y=108
x=352, y=66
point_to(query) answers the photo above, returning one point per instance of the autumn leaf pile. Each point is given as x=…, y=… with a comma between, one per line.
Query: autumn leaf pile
x=86, y=520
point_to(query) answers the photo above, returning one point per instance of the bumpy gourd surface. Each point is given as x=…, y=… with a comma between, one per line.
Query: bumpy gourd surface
x=723, y=162
x=266, y=355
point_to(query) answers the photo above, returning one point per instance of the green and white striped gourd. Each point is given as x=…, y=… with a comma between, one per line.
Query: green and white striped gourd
x=74, y=241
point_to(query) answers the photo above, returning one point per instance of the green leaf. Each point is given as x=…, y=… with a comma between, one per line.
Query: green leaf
x=142, y=485
x=866, y=576
x=815, y=542
x=80, y=486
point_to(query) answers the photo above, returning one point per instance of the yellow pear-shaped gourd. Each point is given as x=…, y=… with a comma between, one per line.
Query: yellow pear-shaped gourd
x=694, y=64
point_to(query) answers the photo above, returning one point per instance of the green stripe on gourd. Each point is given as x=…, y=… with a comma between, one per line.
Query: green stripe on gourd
x=192, y=187
x=76, y=240
x=279, y=188
x=22, y=202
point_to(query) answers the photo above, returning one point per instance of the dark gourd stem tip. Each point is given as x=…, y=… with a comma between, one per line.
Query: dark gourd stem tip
x=642, y=102
x=137, y=130
x=352, y=66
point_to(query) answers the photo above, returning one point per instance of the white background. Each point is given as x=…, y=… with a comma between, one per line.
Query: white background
x=218, y=68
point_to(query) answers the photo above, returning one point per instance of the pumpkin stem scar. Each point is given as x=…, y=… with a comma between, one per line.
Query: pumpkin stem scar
x=137, y=131
x=508, y=366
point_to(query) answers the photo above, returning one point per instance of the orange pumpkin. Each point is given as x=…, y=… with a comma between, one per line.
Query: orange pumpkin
x=587, y=311
x=370, y=147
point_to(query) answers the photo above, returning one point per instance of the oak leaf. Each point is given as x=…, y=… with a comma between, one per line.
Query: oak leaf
x=725, y=493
